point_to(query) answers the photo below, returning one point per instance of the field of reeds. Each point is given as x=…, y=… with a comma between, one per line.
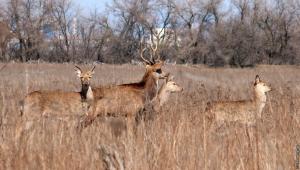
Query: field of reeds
x=171, y=139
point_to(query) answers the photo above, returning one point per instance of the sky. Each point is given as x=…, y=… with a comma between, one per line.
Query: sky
x=88, y=5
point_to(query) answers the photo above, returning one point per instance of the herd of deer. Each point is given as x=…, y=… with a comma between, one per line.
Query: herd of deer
x=129, y=99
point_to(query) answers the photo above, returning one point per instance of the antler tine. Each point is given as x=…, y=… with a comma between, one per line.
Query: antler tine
x=142, y=52
x=141, y=55
x=157, y=53
x=157, y=37
x=153, y=51
x=158, y=43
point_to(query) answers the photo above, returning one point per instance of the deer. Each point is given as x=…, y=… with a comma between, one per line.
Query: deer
x=152, y=108
x=245, y=111
x=128, y=99
x=169, y=86
x=46, y=103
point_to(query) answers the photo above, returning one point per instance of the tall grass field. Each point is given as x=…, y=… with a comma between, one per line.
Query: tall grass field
x=172, y=138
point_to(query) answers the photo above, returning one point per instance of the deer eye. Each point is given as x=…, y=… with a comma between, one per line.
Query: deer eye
x=158, y=70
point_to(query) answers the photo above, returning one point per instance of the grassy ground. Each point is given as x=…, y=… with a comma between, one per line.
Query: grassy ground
x=172, y=139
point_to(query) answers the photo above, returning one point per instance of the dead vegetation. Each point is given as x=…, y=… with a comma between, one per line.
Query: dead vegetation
x=239, y=33
x=171, y=139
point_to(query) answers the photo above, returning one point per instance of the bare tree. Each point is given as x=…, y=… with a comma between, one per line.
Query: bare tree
x=95, y=33
x=27, y=18
x=197, y=31
x=5, y=35
x=65, y=20
x=133, y=18
x=276, y=24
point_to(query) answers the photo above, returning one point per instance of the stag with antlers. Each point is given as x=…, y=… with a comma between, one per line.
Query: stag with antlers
x=128, y=99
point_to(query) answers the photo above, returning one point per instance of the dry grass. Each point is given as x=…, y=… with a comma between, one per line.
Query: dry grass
x=172, y=139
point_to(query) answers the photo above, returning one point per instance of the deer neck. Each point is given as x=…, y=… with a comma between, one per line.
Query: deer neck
x=151, y=85
x=163, y=95
x=260, y=100
x=86, y=93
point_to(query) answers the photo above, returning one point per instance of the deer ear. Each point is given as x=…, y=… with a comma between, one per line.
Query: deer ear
x=161, y=62
x=257, y=79
x=92, y=70
x=147, y=66
x=78, y=71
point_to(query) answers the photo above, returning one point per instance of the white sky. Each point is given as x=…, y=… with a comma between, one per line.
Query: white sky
x=87, y=5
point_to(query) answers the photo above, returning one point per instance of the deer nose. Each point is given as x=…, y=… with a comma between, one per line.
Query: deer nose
x=270, y=87
x=85, y=83
x=165, y=75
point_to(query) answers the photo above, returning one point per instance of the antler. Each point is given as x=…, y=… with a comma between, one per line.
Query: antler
x=141, y=55
x=142, y=52
x=154, y=50
x=154, y=46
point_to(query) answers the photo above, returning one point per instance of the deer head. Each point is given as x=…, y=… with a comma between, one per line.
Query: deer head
x=166, y=89
x=260, y=86
x=154, y=64
x=85, y=77
x=171, y=86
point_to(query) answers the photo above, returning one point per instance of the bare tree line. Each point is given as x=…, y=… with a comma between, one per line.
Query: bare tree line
x=213, y=32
